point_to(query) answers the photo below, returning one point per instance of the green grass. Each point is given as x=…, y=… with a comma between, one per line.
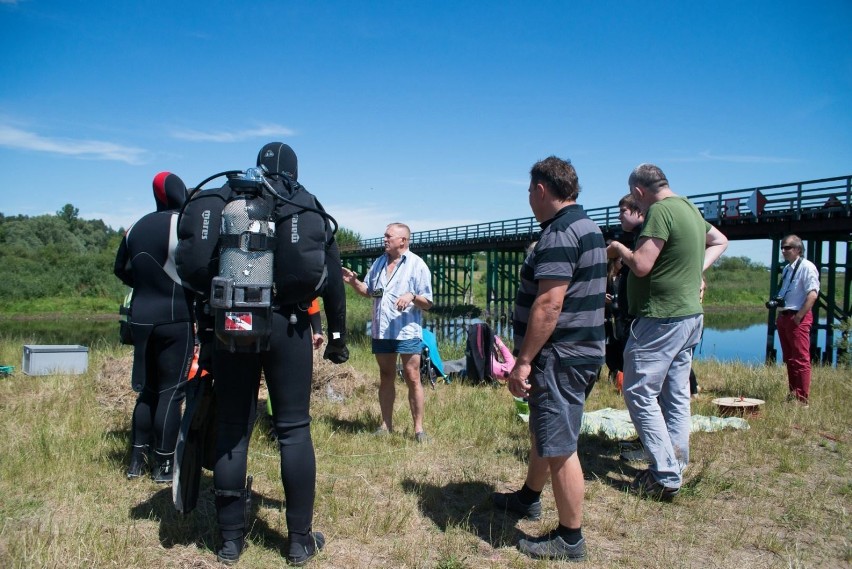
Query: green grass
x=66, y=306
x=777, y=495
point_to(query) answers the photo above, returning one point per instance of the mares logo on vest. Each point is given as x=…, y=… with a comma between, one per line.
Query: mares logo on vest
x=294, y=230
x=205, y=223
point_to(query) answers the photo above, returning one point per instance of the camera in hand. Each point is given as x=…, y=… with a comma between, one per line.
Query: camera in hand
x=777, y=302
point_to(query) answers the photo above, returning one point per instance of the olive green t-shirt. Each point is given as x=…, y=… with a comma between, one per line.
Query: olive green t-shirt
x=671, y=288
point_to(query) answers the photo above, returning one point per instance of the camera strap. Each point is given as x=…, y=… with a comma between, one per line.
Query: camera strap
x=787, y=283
x=382, y=274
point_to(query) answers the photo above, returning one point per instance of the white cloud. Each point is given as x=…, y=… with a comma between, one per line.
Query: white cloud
x=262, y=131
x=370, y=221
x=744, y=158
x=708, y=156
x=12, y=137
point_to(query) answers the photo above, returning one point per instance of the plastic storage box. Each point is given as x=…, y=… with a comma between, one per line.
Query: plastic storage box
x=44, y=360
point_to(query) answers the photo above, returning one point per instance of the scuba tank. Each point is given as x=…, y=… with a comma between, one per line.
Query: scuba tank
x=241, y=295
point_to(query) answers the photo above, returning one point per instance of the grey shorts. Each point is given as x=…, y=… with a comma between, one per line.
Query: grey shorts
x=557, y=397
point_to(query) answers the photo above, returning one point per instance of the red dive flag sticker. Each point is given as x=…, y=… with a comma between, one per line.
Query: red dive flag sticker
x=238, y=321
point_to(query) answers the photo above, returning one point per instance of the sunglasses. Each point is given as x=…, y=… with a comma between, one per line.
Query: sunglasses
x=787, y=247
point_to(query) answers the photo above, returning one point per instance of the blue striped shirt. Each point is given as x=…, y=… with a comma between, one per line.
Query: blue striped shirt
x=410, y=275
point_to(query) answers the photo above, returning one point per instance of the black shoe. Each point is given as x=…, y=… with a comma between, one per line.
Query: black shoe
x=552, y=546
x=301, y=553
x=231, y=550
x=138, y=461
x=163, y=468
x=511, y=503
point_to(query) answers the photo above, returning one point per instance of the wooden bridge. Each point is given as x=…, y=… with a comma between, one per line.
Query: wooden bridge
x=818, y=211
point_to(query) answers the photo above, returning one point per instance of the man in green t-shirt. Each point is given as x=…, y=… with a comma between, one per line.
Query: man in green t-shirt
x=674, y=248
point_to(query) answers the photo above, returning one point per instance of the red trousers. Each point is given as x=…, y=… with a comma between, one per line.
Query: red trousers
x=796, y=349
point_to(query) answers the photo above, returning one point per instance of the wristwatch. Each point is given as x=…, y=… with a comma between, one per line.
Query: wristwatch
x=415, y=296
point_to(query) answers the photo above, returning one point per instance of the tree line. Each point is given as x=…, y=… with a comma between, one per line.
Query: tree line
x=64, y=256
x=61, y=255
x=57, y=255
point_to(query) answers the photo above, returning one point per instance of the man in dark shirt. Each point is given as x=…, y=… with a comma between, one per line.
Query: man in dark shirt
x=558, y=326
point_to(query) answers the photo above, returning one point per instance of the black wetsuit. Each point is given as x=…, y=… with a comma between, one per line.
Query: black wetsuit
x=161, y=320
x=287, y=368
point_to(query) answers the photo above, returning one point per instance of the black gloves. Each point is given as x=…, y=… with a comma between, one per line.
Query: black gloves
x=336, y=351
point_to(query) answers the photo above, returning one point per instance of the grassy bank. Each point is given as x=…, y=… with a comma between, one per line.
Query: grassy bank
x=61, y=307
x=778, y=495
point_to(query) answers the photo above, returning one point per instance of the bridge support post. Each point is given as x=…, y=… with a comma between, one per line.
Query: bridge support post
x=502, y=277
x=774, y=270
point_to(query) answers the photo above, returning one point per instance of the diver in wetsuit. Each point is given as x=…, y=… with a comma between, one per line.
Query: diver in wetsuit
x=161, y=324
x=287, y=366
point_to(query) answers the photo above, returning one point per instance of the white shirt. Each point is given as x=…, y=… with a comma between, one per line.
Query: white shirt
x=410, y=275
x=798, y=279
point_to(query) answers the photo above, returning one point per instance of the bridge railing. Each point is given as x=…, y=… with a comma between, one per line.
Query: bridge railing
x=825, y=196
x=526, y=226
x=828, y=195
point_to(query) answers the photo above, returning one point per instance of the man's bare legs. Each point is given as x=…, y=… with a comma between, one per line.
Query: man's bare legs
x=567, y=481
x=387, y=388
x=411, y=372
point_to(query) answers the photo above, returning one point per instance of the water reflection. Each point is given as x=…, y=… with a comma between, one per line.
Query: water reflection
x=727, y=337
x=735, y=319
x=454, y=330
x=746, y=345
x=82, y=332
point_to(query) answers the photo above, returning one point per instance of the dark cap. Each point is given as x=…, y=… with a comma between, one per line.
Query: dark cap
x=279, y=158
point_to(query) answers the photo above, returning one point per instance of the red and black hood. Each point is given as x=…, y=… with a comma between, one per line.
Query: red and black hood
x=169, y=191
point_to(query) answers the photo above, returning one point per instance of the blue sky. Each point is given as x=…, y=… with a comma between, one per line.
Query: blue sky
x=429, y=113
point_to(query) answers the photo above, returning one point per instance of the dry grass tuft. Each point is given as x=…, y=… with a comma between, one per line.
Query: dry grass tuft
x=113, y=383
x=338, y=381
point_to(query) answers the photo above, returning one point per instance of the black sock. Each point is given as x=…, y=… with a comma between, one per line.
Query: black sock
x=571, y=536
x=528, y=496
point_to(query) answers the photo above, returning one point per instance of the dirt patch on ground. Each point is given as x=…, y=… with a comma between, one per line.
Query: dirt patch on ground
x=335, y=382
x=113, y=382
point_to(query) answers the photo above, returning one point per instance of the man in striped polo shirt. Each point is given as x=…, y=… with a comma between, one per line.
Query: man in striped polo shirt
x=559, y=332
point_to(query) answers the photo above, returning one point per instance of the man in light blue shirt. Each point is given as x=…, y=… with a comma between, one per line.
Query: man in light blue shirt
x=400, y=284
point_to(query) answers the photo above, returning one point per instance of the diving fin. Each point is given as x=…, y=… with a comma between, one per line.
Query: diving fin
x=196, y=443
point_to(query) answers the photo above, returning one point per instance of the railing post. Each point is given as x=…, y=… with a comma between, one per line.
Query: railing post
x=771, y=356
x=849, y=194
x=798, y=201
x=831, y=304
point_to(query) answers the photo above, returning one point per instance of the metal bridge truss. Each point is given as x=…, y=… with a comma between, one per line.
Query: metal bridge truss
x=502, y=276
x=452, y=279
